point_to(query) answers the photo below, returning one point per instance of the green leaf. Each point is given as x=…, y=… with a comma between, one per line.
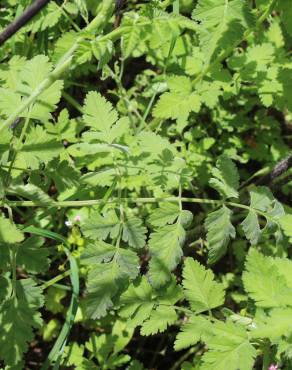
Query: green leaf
x=261, y=198
x=131, y=38
x=201, y=290
x=226, y=178
x=53, y=299
x=222, y=24
x=32, y=192
x=98, y=113
x=48, y=17
x=64, y=175
x=219, y=232
x=9, y=233
x=134, y=232
x=177, y=106
x=39, y=147
x=228, y=348
x=82, y=7
x=285, y=7
x=32, y=256
x=276, y=324
x=264, y=283
x=251, y=227
x=110, y=268
x=286, y=225
x=100, y=227
x=159, y=320
x=136, y=302
x=166, y=251
x=167, y=213
x=103, y=51
x=18, y=318
x=28, y=79
x=191, y=332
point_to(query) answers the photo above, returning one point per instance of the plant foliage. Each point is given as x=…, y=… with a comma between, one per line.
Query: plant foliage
x=138, y=229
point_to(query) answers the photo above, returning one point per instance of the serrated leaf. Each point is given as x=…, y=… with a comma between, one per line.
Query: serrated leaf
x=82, y=7
x=200, y=288
x=32, y=256
x=9, y=233
x=137, y=303
x=261, y=198
x=165, y=246
x=286, y=225
x=222, y=24
x=159, y=320
x=177, y=106
x=130, y=38
x=251, y=227
x=219, y=232
x=48, y=17
x=264, y=283
x=111, y=267
x=28, y=78
x=191, y=332
x=226, y=178
x=167, y=213
x=103, y=51
x=98, y=113
x=100, y=227
x=228, y=348
x=18, y=318
x=32, y=192
x=53, y=299
x=39, y=147
x=276, y=324
x=134, y=232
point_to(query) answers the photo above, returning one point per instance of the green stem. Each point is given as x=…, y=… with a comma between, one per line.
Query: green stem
x=13, y=253
x=184, y=357
x=17, y=148
x=72, y=101
x=57, y=278
x=117, y=200
x=93, y=202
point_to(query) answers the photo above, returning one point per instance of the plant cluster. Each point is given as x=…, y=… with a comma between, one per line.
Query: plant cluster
x=140, y=225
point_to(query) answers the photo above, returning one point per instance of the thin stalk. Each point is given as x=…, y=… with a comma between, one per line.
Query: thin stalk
x=17, y=148
x=72, y=101
x=117, y=200
x=13, y=253
x=93, y=202
x=184, y=357
x=67, y=16
x=54, y=280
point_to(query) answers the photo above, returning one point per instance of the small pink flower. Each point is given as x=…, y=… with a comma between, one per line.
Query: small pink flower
x=273, y=367
x=77, y=218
